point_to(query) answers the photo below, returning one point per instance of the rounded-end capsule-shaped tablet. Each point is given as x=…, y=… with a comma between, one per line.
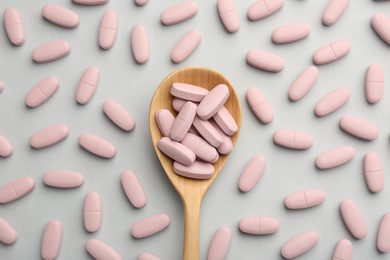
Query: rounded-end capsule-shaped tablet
x=141, y=2
x=42, y=91
x=213, y=102
x=140, y=44
x=381, y=25
x=343, y=250
x=333, y=11
x=252, y=173
x=359, y=128
x=93, y=212
x=52, y=239
x=383, y=236
x=164, y=120
x=147, y=256
x=332, y=101
x=303, y=83
x=227, y=146
x=14, y=27
x=353, y=219
x=208, y=132
x=150, y=225
x=374, y=83
x=220, y=244
x=228, y=14
x=331, y=52
x=101, y=250
x=64, y=179
x=259, y=225
x=265, y=60
x=49, y=136
x=304, y=199
x=133, y=188
x=108, y=29
x=183, y=121
x=90, y=2
x=16, y=189
x=87, y=85
x=335, y=157
x=97, y=145
x=6, y=148
x=373, y=172
x=263, y=8
x=260, y=105
x=118, y=115
x=176, y=151
x=8, y=234
x=197, y=170
x=293, y=139
x=60, y=15
x=201, y=148
x=179, y=12
x=51, y=51
x=186, y=46
x=291, y=33
x=225, y=121
x=188, y=92
x=299, y=244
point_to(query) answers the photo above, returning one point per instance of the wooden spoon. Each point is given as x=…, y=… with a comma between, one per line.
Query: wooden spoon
x=191, y=191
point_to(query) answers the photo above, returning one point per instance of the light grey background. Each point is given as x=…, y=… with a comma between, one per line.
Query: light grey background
x=133, y=85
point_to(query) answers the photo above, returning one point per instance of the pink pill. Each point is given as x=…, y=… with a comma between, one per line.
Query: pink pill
x=97, y=145
x=303, y=83
x=383, y=236
x=6, y=148
x=373, y=172
x=42, y=91
x=147, y=256
x=259, y=225
x=176, y=151
x=183, y=121
x=133, y=188
x=164, y=120
x=186, y=45
x=291, y=33
x=226, y=121
x=141, y=2
x=333, y=11
x=179, y=12
x=381, y=25
x=90, y=2
x=265, y=60
x=8, y=233
x=188, y=92
x=264, y=8
x=331, y=52
x=208, y=132
x=260, y=105
x=87, y=85
x=178, y=103
x=332, y=101
x=213, y=102
x=63, y=179
x=359, y=128
x=343, y=250
x=140, y=43
x=16, y=189
x=51, y=51
x=252, y=173
x=14, y=27
x=335, y=157
x=101, y=250
x=197, y=170
x=228, y=14
x=118, y=115
x=49, y=136
x=220, y=244
x=1, y=86
x=200, y=147
x=374, y=83
x=227, y=146
x=108, y=29
x=150, y=225
x=93, y=212
x=52, y=239
x=293, y=139
x=353, y=219
x=304, y=199
x=299, y=244
x=60, y=16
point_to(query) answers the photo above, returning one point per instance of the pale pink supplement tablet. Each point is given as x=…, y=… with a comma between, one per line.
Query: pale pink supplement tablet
x=64, y=179
x=343, y=250
x=133, y=188
x=383, y=236
x=213, y=102
x=381, y=25
x=93, y=211
x=179, y=12
x=299, y=244
x=16, y=189
x=228, y=14
x=118, y=115
x=90, y=2
x=108, y=29
x=335, y=157
x=373, y=172
x=14, y=27
x=51, y=51
x=293, y=139
x=60, y=15
x=150, y=225
x=101, y=250
x=374, y=83
x=87, y=85
x=264, y=60
x=42, y=91
x=1, y=86
x=259, y=225
x=303, y=83
x=176, y=151
x=304, y=199
x=226, y=121
x=97, y=145
x=227, y=145
x=333, y=11
x=188, y=92
x=164, y=120
x=252, y=173
x=331, y=52
x=6, y=148
x=141, y=2
x=353, y=219
x=359, y=128
x=263, y=8
x=183, y=121
x=178, y=103
x=8, y=233
x=291, y=33
x=197, y=170
x=202, y=149
x=332, y=101
x=147, y=256
x=186, y=45
x=140, y=43
x=49, y=136
x=208, y=132
x=220, y=244
x=259, y=105
x=52, y=239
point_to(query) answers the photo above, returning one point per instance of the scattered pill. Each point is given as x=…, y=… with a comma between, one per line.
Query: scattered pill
x=259, y=225
x=263, y=8
x=150, y=226
x=101, y=250
x=373, y=172
x=51, y=51
x=226, y=121
x=108, y=29
x=220, y=244
x=252, y=173
x=186, y=45
x=343, y=250
x=14, y=27
x=6, y=148
x=264, y=60
x=93, y=211
x=293, y=139
x=197, y=170
x=291, y=33
x=383, y=236
x=179, y=12
x=333, y=11
x=16, y=189
x=90, y=2
x=164, y=120
x=60, y=15
x=331, y=52
x=227, y=146
x=118, y=115
x=228, y=14
x=147, y=256
x=332, y=101
x=42, y=91
x=49, y=136
x=8, y=234
x=304, y=199
x=188, y=92
x=213, y=102
x=141, y=2
x=335, y=157
x=259, y=105
x=140, y=44
x=133, y=188
x=374, y=84
x=64, y=179
x=381, y=24
x=208, y=132
x=97, y=145
x=359, y=128
x=183, y=121
x=353, y=219
x=303, y=83
x=299, y=244
x=52, y=239
x=1, y=86
x=176, y=151
x=202, y=149
x=87, y=85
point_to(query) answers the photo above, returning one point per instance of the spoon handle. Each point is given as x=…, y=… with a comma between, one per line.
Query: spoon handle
x=192, y=206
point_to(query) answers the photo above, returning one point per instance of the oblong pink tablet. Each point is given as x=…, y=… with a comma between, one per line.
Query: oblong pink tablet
x=335, y=157
x=51, y=51
x=90, y=2
x=290, y=33
x=359, y=128
x=227, y=146
x=87, y=85
x=383, y=236
x=265, y=60
x=381, y=25
x=179, y=12
x=259, y=105
x=16, y=189
x=101, y=250
x=93, y=211
x=150, y=225
x=303, y=83
x=197, y=170
x=6, y=148
x=140, y=43
x=183, y=121
x=333, y=11
x=264, y=8
x=226, y=121
x=14, y=27
x=49, y=136
x=141, y=2
x=186, y=45
x=164, y=120
x=60, y=15
x=213, y=102
x=332, y=101
x=1, y=86
x=133, y=188
x=331, y=52
x=97, y=145
x=208, y=132
x=8, y=233
x=147, y=256
x=63, y=179
x=42, y=91
x=252, y=173
x=353, y=219
x=108, y=29
x=293, y=139
x=343, y=250
x=373, y=172
x=178, y=103
x=299, y=244
x=202, y=149
x=374, y=83
x=304, y=199
x=228, y=14
x=259, y=225
x=188, y=92
x=220, y=244
x=52, y=239
x=176, y=151
x=118, y=115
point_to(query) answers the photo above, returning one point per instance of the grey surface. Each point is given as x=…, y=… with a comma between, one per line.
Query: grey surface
x=133, y=85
